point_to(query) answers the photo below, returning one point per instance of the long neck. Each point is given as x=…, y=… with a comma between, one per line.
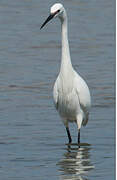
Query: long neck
x=66, y=65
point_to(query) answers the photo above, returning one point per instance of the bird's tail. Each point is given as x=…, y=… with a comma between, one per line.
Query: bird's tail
x=85, y=120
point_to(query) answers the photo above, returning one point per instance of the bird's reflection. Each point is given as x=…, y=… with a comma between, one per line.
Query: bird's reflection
x=75, y=163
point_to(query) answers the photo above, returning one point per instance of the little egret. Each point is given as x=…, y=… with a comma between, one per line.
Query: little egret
x=71, y=93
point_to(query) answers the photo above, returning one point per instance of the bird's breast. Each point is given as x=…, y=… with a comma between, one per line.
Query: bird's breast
x=68, y=103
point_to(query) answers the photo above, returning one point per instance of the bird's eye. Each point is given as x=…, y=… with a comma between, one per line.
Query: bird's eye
x=57, y=12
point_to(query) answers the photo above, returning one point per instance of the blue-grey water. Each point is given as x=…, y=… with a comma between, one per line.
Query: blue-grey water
x=32, y=136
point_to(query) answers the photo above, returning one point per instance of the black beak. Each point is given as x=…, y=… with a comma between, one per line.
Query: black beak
x=47, y=20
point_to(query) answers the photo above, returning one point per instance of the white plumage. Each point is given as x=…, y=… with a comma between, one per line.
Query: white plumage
x=71, y=93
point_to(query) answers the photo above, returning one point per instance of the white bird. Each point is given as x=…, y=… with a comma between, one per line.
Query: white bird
x=71, y=93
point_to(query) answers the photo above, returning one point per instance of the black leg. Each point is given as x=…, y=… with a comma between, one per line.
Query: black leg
x=79, y=137
x=69, y=136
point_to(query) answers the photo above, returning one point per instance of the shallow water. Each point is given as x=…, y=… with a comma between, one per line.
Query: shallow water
x=32, y=136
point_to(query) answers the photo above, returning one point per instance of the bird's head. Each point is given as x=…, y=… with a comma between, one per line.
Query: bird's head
x=55, y=11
